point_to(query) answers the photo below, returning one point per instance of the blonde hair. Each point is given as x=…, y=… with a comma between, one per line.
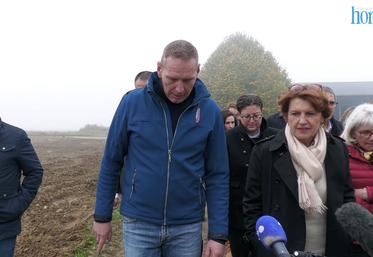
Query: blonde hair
x=361, y=115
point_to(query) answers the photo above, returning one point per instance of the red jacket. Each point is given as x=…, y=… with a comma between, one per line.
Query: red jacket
x=362, y=176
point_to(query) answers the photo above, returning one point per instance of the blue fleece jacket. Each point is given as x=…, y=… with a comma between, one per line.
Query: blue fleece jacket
x=168, y=177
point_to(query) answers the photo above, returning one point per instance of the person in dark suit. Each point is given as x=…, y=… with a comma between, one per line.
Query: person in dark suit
x=300, y=177
x=17, y=158
x=332, y=125
x=240, y=141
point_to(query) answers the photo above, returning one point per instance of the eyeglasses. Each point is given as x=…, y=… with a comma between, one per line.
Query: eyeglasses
x=255, y=117
x=365, y=133
x=332, y=103
x=301, y=87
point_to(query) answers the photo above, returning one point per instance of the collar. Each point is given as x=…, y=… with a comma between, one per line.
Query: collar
x=329, y=127
x=255, y=135
x=358, y=153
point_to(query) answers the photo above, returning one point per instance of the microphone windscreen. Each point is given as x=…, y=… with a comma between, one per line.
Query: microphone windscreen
x=358, y=223
x=269, y=231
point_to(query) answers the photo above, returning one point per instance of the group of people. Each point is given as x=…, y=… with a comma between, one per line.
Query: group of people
x=300, y=170
x=174, y=153
x=182, y=152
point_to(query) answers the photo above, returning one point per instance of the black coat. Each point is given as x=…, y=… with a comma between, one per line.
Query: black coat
x=239, y=149
x=276, y=120
x=271, y=189
x=337, y=127
x=17, y=157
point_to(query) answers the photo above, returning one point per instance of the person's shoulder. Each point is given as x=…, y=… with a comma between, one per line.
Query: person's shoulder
x=208, y=101
x=234, y=131
x=134, y=92
x=132, y=97
x=336, y=122
x=335, y=137
x=274, y=115
x=271, y=131
x=13, y=129
x=336, y=141
x=265, y=139
x=12, y=132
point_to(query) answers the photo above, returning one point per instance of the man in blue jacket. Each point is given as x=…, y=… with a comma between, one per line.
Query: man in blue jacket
x=171, y=135
x=17, y=158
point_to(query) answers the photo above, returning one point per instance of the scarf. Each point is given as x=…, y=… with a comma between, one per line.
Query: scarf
x=309, y=165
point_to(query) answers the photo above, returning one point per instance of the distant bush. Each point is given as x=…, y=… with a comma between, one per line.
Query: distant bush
x=93, y=130
x=89, y=130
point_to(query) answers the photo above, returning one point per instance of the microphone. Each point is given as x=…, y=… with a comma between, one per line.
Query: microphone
x=358, y=223
x=272, y=235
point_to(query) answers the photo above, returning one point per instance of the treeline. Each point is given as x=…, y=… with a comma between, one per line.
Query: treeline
x=89, y=130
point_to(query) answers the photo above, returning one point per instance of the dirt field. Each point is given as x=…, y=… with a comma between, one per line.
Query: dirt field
x=56, y=222
x=59, y=220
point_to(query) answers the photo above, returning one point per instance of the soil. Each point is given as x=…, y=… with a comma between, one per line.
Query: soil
x=59, y=220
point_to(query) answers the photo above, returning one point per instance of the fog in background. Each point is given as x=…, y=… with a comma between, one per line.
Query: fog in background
x=65, y=64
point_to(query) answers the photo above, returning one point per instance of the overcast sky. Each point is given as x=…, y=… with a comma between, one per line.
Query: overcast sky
x=64, y=64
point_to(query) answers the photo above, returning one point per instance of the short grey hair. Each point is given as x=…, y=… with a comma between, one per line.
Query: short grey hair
x=180, y=49
x=361, y=115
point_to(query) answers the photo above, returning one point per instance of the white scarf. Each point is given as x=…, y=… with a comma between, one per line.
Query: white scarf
x=309, y=164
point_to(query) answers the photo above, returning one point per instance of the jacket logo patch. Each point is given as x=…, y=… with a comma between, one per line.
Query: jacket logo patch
x=198, y=115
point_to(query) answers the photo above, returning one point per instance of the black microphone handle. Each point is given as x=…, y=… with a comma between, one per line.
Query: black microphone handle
x=280, y=249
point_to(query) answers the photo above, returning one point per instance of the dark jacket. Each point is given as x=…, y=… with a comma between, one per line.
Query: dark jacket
x=276, y=120
x=239, y=150
x=17, y=157
x=169, y=176
x=337, y=127
x=272, y=189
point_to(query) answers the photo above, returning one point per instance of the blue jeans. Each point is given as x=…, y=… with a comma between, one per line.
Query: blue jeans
x=7, y=247
x=142, y=239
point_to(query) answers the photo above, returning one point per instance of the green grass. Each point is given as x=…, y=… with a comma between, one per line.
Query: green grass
x=90, y=242
x=89, y=245
x=116, y=215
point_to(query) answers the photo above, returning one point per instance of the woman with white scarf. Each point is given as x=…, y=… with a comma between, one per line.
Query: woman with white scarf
x=300, y=177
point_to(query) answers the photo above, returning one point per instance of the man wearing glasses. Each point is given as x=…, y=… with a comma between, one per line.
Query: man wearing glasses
x=332, y=125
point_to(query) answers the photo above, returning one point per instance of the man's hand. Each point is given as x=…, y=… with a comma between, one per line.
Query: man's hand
x=214, y=249
x=102, y=231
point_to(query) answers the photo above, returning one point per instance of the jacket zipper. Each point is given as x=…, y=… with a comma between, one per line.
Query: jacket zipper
x=133, y=184
x=170, y=155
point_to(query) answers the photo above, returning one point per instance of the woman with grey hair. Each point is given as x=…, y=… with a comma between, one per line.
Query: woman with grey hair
x=358, y=135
